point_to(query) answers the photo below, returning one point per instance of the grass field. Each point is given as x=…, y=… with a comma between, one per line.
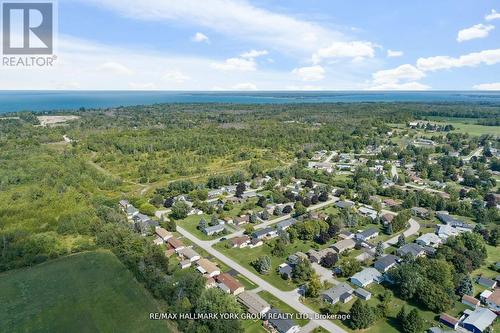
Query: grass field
x=87, y=292
x=466, y=125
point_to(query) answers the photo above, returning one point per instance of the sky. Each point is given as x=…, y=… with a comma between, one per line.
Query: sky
x=215, y=45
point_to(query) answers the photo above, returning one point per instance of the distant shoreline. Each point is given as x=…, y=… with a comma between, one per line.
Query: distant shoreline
x=42, y=101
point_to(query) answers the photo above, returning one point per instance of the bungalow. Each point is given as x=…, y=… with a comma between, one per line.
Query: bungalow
x=367, y=234
x=210, y=283
x=175, y=244
x=253, y=303
x=447, y=219
x=365, y=277
x=243, y=219
x=131, y=211
x=285, y=271
x=493, y=301
x=343, y=204
x=185, y=263
x=344, y=245
x=390, y=203
x=157, y=241
x=449, y=320
x=317, y=256
x=445, y=231
x=478, y=320
x=363, y=294
x=211, y=230
x=368, y=212
x=293, y=259
x=420, y=212
x=484, y=295
x=283, y=225
x=163, y=234
x=412, y=249
x=255, y=242
x=485, y=282
x=385, y=263
x=265, y=233
x=470, y=301
x=429, y=239
x=189, y=254
x=208, y=268
x=229, y=284
x=387, y=218
x=240, y=242
x=279, y=322
x=333, y=295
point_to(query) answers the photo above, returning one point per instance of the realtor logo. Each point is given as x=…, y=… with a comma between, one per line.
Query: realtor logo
x=28, y=28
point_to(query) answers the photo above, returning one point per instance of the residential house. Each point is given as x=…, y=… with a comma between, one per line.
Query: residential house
x=413, y=249
x=229, y=284
x=485, y=282
x=346, y=234
x=253, y=303
x=387, y=218
x=240, y=242
x=367, y=234
x=285, y=271
x=447, y=219
x=484, y=295
x=449, y=320
x=479, y=320
x=212, y=230
x=210, y=283
x=429, y=239
x=163, y=234
x=470, y=301
x=420, y=212
x=343, y=204
x=363, y=294
x=131, y=211
x=333, y=295
x=240, y=220
x=446, y=231
x=493, y=301
x=366, y=277
x=265, y=233
x=385, y=263
x=255, y=242
x=157, y=241
x=368, y=212
x=207, y=268
x=316, y=256
x=390, y=203
x=280, y=322
x=293, y=259
x=344, y=245
x=189, y=254
x=175, y=244
x=283, y=225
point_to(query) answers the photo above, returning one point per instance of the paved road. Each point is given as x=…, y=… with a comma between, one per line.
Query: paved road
x=413, y=229
x=289, y=297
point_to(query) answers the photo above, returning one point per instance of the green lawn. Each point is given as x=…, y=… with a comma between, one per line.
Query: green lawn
x=87, y=292
x=282, y=306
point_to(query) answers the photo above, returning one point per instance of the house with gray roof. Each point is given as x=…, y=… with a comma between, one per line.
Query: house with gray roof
x=413, y=249
x=333, y=294
x=212, y=230
x=344, y=245
x=429, y=239
x=478, y=320
x=253, y=303
x=385, y=263
x=283, y=225
x=485, y=282
x=344, y=204
x=280, y=322
x=265, y=233
x=363, y=294
x=367, y=234
x=366, y=277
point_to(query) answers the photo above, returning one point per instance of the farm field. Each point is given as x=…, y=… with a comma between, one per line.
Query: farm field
x=86, y=292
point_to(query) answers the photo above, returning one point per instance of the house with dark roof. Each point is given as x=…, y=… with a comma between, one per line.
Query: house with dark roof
x=280, y=322
x=333, y=295
x=385, y=263
x=367, y=234
x=363, y=294
x=485, y=282
x=285, y=271
x=413, y=249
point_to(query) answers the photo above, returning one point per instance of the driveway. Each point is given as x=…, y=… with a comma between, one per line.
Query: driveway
x=413, y=229
x=324, y=274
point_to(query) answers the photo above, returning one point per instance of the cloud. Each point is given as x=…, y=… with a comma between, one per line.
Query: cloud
x=403, y=72
x=311, y=73
x=245, y=86
x=487, y=57
x=238, y=19
x=175, y=76
x=392, y=53
x=401, y=86
x=115, y=68
x=494, y=15
x=355, y=49
x=200, y=37
x=254, y=54
x=474, y=32
x=487, y=86
x=236, y=64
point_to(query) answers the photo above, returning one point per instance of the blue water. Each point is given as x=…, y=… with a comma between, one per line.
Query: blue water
x=11, y=101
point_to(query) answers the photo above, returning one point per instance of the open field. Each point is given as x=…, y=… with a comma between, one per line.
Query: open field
x=87, y=292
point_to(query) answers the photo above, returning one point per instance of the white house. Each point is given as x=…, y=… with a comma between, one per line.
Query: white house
x=366, y=277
